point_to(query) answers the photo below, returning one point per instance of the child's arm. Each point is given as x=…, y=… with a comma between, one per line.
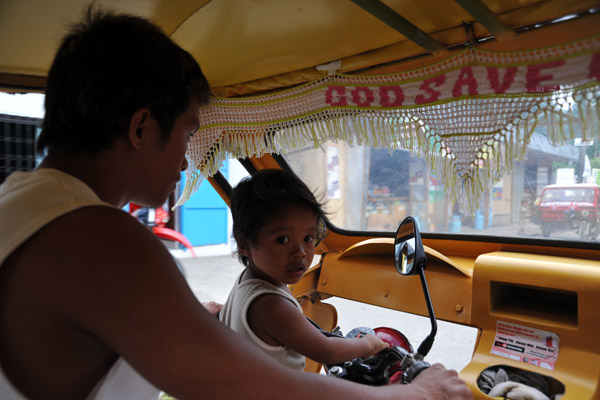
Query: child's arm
x=277, y=321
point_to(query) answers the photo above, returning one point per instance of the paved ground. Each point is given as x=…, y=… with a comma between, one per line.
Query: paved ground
x=211, y=278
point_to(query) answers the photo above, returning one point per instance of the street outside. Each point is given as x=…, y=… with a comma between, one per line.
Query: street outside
x=211, y=278
x=530, y=230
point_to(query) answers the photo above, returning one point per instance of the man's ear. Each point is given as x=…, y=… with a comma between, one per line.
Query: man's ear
x=138, y=123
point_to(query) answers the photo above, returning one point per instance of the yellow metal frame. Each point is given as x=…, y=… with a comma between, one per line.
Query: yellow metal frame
x=460, y=286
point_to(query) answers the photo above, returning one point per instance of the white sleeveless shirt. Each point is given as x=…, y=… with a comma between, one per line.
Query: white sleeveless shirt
x=28, y=202
x=235, y=315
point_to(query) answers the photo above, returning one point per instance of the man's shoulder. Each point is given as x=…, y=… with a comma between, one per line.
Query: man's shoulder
x=32, y=201
x=89, y=245
x=103, y=224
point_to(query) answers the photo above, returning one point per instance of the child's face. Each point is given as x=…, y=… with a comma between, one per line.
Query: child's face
x=284, y=247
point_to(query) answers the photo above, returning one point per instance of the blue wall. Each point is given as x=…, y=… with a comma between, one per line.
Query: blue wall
x=203, y=218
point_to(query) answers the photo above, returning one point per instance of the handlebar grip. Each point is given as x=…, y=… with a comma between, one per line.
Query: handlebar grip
x=415, y=370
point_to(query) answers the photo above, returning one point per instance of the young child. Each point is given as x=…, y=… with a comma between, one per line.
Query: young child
x=523, y=214
x=276, y=223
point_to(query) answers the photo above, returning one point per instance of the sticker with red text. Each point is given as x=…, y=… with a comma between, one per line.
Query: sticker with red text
x=528, y=345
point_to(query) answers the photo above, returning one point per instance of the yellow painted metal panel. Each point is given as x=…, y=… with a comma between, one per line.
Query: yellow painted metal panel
x=374, y=280
x=325, y=315
x=385, y=246
x=308, y=285
x=520, y=287
x=529, y=291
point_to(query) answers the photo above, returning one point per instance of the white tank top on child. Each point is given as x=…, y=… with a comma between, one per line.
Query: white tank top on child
x=235, y=312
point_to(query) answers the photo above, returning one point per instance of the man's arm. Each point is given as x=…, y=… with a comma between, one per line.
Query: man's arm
x=124, y=288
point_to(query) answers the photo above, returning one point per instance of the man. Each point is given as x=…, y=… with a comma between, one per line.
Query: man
x=91, y=304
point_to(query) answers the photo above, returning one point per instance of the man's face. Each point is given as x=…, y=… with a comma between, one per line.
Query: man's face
x=167, y=160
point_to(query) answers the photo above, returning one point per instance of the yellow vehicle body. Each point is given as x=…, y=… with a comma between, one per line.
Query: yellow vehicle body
x=248, y=47
x=509, y=284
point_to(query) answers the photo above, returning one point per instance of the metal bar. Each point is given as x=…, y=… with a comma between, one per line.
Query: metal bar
x=400, y=24
x=487, y=18
x=519, y=30
x=19, y=83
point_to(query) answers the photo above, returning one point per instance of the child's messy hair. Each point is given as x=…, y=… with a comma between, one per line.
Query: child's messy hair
x=256, y=199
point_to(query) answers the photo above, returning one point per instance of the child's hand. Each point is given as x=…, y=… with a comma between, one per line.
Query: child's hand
x=375, y=345
x=212, y=307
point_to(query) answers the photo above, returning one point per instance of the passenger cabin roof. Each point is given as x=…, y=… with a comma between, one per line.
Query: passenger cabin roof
x=279, y=43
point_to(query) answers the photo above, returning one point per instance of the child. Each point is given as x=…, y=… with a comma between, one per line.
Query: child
x=523, y=214
x=276, y=223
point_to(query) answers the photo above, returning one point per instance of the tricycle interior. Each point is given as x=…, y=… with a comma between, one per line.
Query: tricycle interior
x=463, y=115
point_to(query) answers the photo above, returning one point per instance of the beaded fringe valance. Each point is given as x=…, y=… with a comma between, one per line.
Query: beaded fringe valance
x=470, y=116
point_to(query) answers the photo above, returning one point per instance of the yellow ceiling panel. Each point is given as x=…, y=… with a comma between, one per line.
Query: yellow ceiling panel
x=242, y=41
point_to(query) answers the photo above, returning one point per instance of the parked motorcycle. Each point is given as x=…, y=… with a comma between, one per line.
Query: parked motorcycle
x=398, y=364
x=586, y=223
x=156, y=219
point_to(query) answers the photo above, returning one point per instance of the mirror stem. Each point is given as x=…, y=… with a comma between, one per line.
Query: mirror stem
x=425, y=346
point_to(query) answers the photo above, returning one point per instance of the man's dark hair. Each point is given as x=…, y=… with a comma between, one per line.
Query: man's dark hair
x=258, y=198
x=107, y=67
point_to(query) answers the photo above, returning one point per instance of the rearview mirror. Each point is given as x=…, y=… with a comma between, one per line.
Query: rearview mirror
x=410, y=259
x=408, y=248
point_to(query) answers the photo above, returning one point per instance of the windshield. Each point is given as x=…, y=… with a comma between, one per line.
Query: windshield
x=568, y=195
x=369, y=189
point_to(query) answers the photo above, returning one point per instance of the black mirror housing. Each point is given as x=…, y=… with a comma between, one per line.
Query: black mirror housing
x=408, y=248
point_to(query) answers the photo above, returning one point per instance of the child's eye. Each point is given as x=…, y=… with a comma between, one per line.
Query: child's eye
x=309, y=239
x=282, y=240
